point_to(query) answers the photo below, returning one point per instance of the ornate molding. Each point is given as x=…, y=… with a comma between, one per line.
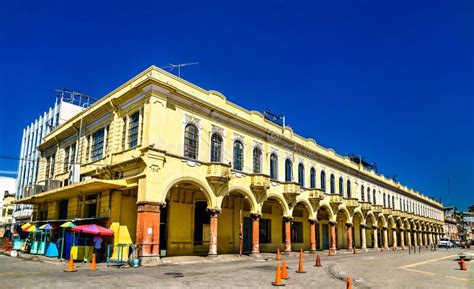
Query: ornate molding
x=217, y=129
x=238, y=137
x=148, y=207
x=192, y=119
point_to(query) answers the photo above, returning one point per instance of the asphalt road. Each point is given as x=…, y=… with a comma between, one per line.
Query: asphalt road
x=368, y=270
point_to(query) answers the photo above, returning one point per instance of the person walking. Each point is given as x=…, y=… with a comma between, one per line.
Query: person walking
x=97, y=246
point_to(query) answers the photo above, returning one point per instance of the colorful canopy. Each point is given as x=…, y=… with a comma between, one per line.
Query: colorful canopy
x=93, y=229
x=31, y=228
x=48, y=227
x=68, y=224
x=25, y=225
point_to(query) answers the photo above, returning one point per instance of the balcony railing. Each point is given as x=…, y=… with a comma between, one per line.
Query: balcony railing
x=335, y=199
x=291, y=191
x=365, y=206
x=351, y=203
x=260, y=183
x=387, y=211
x=377, y=208
x=218, y=173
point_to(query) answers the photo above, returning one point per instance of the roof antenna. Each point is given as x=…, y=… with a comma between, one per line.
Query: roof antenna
x=172, y=66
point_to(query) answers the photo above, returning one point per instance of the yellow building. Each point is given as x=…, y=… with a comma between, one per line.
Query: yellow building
x=180, y=170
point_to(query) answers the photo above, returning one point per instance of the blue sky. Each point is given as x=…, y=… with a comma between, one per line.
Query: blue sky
x=392, y=81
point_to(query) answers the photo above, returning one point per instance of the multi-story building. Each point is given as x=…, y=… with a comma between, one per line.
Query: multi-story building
x=180, y=170
x=452, y=221
x=64, y=108
x=7, y=195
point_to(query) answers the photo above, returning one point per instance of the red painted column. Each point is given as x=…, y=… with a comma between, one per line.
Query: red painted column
x=255, y=234
x=148, y=232
x=312, y=241
x=333, y=236
x=213, y=232
x=349, y=236
x=287, y=234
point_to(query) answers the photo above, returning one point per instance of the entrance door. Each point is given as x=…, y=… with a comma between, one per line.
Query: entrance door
x=325, y=236
x=163, y=231
x=247, y=238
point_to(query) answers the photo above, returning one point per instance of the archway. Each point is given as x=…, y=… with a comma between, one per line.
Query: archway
x=370, y=231
x=235, y=224
x=382, y=232
x=300, y=227
x=323, y=237
x=357, y=222
x=342, y=219
x=271, y=227
x=185, y=222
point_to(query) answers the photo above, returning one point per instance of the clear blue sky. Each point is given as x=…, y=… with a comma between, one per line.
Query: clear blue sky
x=392, y=81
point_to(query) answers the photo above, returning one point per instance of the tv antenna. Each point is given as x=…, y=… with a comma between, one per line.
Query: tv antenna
x=172, y=66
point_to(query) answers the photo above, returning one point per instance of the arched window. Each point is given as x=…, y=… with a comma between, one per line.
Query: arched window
x=384, y=200
x=323, y=181
x=393, y=202
x=257, y=160
x=368, y=194
x=341, y=186
x=374, y=197
x=401, y=204
x=288, y=171
x=273, y=166
x=312, y=178
x=332, y=184
x=216, y=148
x=388, y=201
x=301, y=175
x=349, y=192
x=362, y=192
x=191, y=142
x=238, y=162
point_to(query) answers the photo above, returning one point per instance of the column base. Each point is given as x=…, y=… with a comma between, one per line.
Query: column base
x=312, y=252
x=211, y=255
x=287, y=253
x=255, y=254
x=150, y=260
x=364, y=249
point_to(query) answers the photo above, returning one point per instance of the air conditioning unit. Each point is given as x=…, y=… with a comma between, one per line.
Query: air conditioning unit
x=33, y=190
x=52, y=185
x=86, y=178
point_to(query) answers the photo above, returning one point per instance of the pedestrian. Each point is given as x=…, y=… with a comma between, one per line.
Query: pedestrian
x=97, y=246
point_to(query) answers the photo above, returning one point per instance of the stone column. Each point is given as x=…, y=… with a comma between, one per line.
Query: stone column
x=409, y=238
x=333, y=236
x=213, y=233
x=362, y=235
x=376, y=238
x=255, y=234
x=402, y=238
x=394, y=237
x=312, y=239
x=385, y=238
x=287, y=221
x=415, y=238
x=349, y=237
x=420, y=239
x=148, y=232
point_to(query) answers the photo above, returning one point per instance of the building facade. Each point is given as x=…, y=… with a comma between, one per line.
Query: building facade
x=452, y=223
x=28, y=167
x=180, y=170
x=7, y=195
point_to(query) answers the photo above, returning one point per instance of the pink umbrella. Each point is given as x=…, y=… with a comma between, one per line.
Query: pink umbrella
x=93, y=229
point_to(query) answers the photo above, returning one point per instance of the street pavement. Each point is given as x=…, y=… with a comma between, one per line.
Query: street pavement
x=368, y=270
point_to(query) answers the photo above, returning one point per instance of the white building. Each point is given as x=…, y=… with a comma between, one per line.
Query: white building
x=67, y=105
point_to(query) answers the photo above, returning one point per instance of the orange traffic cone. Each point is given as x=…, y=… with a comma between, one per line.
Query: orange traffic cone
x=318, y=261
x=93, y=264
x=70, y=265
x=278, y=277
x=330, y=253
x=278, y=254
x=300, y=266
x=284, y=271
x=348, y=283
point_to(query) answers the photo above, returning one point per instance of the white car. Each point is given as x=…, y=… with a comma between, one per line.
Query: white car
x=444, y=242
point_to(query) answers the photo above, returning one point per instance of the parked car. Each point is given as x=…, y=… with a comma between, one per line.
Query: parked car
x=445, y=243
